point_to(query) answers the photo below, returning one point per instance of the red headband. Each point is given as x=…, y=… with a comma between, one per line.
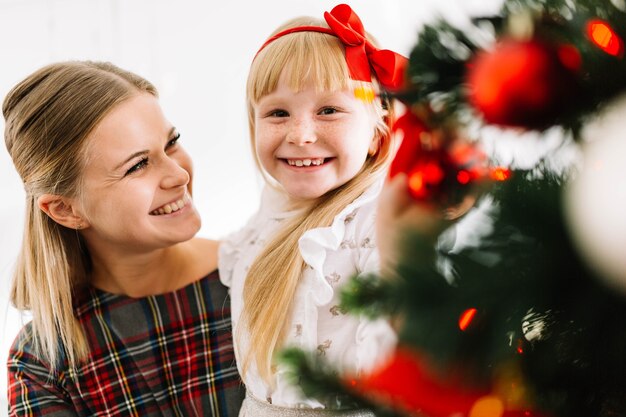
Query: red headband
x=362, y=57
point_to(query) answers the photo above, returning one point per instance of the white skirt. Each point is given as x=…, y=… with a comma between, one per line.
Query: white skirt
x=253, y=407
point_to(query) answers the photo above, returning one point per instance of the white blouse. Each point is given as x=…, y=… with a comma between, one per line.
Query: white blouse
x=333, y=255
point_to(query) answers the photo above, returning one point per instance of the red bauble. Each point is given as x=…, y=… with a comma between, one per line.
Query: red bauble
x=524, y=83
x=407, y=383
x=439, y=168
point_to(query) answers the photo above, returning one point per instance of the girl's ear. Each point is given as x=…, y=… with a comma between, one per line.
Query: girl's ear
x=61, y=210
x=374, y=145
x=376, y=142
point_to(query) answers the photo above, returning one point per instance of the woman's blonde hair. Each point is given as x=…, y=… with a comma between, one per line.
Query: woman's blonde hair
x=49, y=116
x=302, y=57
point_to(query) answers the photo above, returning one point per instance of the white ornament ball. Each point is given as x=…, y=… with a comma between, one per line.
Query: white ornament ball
x=595, y=199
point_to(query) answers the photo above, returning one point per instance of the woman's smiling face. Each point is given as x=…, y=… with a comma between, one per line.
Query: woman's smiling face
x=136, y=185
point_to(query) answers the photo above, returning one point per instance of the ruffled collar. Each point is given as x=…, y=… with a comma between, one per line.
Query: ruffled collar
x=315, y=243
x=275, y=202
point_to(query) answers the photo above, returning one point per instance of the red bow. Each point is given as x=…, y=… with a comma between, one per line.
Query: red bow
x=362, y=57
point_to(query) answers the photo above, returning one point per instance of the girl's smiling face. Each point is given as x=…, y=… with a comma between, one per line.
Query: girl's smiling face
x=136, y=188
x=312, y=142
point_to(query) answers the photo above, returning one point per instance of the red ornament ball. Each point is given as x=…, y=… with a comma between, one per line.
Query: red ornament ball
x=407, y=382
x=524, y=83
x=439, y=168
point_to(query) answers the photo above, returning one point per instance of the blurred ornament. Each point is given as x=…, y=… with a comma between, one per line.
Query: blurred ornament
x=595, y=200
x=523, y=83
x=409, y=384
x=535, y=325
x=441, y=167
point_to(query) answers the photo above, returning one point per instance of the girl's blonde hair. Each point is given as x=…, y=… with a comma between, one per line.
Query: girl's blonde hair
x=49, y=117
x=270, y=286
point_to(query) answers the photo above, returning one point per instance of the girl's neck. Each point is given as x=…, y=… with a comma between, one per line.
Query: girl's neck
x=298, y=204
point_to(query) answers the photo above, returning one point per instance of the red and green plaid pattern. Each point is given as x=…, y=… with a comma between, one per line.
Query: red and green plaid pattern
x=165, y=355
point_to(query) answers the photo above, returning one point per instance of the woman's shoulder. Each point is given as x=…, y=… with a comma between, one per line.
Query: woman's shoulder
x=33, y=384
x=23, y=353
x=23, y=342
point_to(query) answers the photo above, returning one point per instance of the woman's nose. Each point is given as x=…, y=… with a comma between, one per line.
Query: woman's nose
x=174, y=174
x=301, y=132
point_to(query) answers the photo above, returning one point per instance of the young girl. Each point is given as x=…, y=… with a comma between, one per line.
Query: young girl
x=321, y=135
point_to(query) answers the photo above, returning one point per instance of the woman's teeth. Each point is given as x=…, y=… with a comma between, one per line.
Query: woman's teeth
x=171, y=207
x=305, y=162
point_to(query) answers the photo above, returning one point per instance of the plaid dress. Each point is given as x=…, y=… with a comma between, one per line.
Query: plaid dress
x=163, y=355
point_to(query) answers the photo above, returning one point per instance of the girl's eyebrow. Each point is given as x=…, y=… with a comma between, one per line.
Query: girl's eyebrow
x=142, y=152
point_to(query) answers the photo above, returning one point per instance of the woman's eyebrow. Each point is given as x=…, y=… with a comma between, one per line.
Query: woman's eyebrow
x=143, y=152
x=134, y=155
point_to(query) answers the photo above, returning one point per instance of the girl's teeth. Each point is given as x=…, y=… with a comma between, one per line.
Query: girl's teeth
x=305, y=162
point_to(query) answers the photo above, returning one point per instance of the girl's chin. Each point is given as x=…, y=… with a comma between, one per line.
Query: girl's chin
x=306, y=197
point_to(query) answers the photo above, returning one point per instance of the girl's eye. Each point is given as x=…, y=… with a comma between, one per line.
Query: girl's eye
x=137, y=167
x=328, y=111
x=278, y=113
x=173, y=141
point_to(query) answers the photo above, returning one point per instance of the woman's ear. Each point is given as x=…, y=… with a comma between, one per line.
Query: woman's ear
x=61, y=210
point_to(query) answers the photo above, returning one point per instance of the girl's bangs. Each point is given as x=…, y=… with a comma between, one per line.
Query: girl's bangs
x=304, y=58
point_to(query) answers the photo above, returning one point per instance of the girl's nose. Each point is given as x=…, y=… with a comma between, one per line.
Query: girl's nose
x=174, y=175
x=301, y=132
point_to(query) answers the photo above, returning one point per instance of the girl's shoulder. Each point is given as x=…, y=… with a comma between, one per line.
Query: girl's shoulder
x=360, y=215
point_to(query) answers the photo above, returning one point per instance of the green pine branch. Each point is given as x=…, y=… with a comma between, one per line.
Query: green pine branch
x=318, y=379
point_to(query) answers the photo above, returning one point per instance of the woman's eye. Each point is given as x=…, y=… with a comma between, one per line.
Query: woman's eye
x=328, y=111
x=278, y=113
x=173, y=141
x=137, y=167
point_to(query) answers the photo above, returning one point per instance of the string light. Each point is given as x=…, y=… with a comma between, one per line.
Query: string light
x=500, y=174
x=463, y=177
x=466, y=318
x=604, y=37
x=488, y=406
x=424, y=176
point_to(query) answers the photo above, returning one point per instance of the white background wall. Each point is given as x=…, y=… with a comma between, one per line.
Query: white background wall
x=197, y=52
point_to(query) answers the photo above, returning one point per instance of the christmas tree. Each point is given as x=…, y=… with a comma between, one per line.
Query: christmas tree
x=528, y=317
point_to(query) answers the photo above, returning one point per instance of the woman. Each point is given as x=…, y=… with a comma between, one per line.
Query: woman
x=129, y=316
